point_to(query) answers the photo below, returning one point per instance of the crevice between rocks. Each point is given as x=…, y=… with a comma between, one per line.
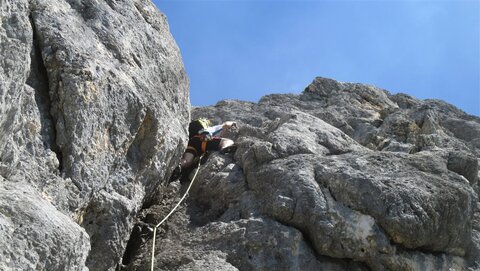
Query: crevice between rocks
x=144, y=223
x=139, y=235
x=39, y=81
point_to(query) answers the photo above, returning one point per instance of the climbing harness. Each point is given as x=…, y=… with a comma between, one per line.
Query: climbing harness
x=204, y=146
x=172, y=211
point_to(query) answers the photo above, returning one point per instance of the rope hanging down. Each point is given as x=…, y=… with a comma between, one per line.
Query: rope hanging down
x=172, y=211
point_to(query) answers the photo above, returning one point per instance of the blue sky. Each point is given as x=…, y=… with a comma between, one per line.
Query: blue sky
x=247, y=49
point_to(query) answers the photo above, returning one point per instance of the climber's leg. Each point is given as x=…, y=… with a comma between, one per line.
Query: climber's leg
x=187, y=160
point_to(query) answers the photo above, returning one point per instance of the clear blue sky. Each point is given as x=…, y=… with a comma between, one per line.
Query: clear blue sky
x=246, y=49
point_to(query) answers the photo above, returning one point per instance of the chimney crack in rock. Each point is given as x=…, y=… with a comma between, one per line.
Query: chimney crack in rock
x=39, y=81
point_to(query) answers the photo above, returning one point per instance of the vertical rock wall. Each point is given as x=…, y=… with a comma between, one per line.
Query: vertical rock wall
x=93, y=107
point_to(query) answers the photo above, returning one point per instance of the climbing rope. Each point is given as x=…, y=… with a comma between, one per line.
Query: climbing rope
x=172, y=211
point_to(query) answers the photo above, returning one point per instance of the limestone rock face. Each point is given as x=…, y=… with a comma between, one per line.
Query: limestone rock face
x=93, y=110
x=341, y=177
x=93, y=107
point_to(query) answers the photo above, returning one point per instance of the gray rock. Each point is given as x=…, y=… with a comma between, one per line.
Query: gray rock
x=93, y=109
x=235, y=237
x=464, y=164
x=372, y=181
x=35, y=235
x=406, y=204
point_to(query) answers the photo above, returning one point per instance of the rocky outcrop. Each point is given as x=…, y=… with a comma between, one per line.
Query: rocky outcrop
x=93, y=108
x=341, y=177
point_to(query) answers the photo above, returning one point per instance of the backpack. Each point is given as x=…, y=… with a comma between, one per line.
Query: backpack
x=197, y=125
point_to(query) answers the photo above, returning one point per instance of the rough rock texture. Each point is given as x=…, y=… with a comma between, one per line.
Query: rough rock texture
x=341, y=177
x=93, y=108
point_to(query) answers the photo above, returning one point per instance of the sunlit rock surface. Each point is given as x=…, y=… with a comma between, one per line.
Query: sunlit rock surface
x=93, y=108
x=93, y=114
x=341, y=177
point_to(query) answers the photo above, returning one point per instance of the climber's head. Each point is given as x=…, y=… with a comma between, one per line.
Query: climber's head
x=195, y=126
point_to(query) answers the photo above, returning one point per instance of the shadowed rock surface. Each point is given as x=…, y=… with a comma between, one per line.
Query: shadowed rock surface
x=341, y=177
x=93, y=105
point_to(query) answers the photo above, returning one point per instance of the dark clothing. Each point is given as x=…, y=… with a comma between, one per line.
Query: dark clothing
x=197, y=146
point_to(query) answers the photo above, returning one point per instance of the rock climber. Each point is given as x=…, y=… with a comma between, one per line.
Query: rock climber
x=204, y=138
